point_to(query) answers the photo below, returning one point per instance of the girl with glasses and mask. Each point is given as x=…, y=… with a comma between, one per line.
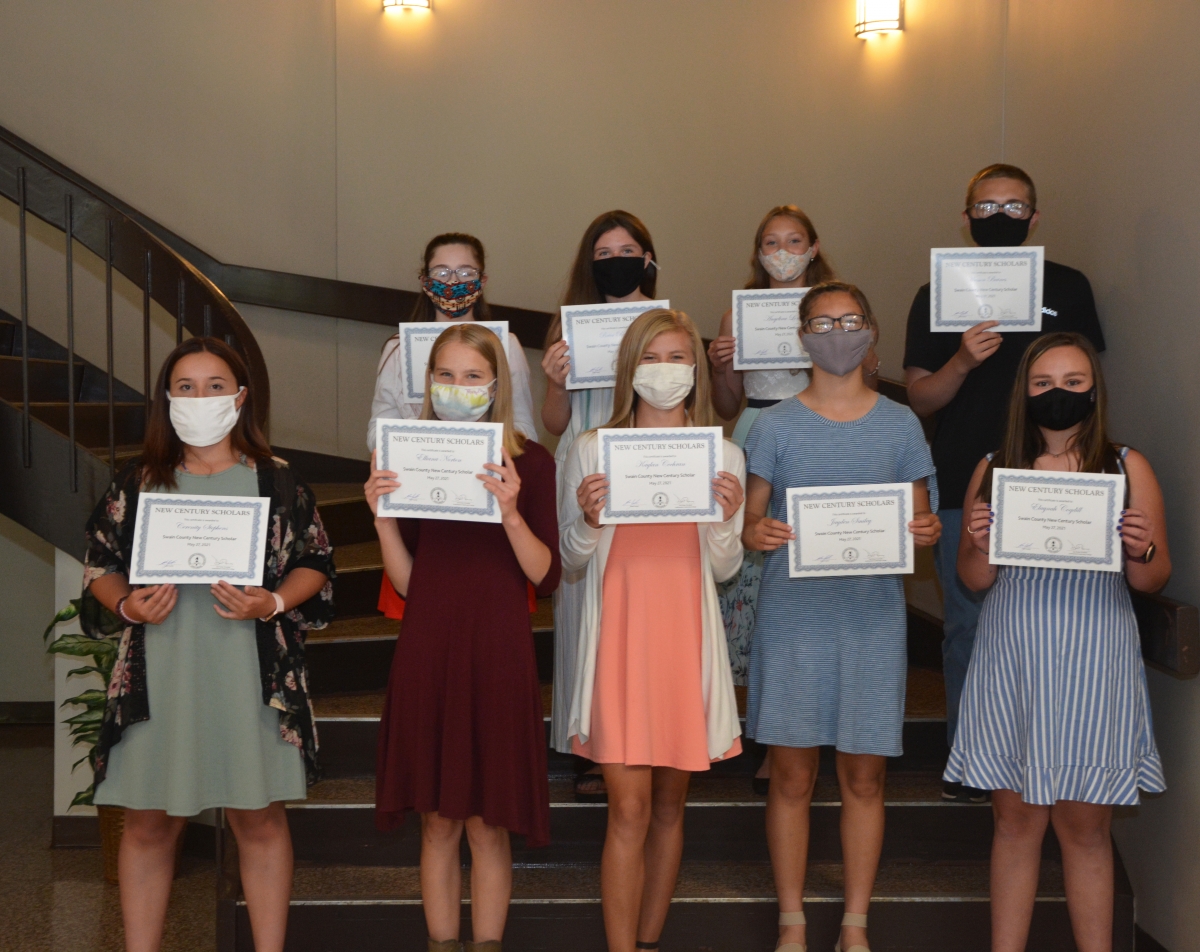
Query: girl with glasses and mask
x=1055, y=716
x=461, y=739
x=452, y=279
x=652, y=698
x=828, y=660
x=614, y=262
x=208, y=705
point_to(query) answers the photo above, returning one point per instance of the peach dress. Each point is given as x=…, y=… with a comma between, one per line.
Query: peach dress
x=647, y=704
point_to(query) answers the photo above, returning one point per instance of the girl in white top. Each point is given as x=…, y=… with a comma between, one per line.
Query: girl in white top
x=453, y=278
x=615, y=262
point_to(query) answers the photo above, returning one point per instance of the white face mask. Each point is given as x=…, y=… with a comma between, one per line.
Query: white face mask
x=460, y=404
x=204, y=421
x=664, y=386
x=782, y=265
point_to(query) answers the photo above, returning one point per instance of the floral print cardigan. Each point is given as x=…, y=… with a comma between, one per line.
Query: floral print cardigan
x=297, y=540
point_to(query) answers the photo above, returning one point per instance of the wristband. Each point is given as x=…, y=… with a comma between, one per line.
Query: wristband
x=120, y=610
x=279, y=607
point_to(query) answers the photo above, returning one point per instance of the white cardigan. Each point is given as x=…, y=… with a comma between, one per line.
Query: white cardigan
x=585, y=548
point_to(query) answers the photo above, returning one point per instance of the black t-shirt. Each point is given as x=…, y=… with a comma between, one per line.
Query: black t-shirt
x=972, y=424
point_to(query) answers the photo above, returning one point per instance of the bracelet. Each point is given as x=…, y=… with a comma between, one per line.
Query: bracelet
x=120, y=611
x=970, y=531
x=279, y=607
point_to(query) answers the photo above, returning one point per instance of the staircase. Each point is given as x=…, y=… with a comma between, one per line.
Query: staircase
x=357, y=888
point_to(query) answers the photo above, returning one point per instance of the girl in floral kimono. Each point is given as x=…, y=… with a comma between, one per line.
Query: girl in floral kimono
x=231, y=724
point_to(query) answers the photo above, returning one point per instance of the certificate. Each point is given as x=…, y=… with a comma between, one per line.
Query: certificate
x=198, y=540
x=593, y=333
x=1056, y=520
x=971, y=285
x=661, y=475
x=436, y=463
x=850, y=530
x=416, y=343
x=766, y=326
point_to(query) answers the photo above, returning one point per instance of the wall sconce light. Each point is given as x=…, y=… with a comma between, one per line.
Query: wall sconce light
x=876, y=17
x=400, y=5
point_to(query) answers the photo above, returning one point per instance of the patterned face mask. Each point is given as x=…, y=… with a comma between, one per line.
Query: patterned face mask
x=453, y=300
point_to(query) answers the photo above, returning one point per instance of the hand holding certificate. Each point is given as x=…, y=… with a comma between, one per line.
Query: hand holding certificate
x=1062, y=520
x=970, y=285
x=766, y=326
x=196, y=540
x=438, y=465
x=850, y=530
x=593, y=334
x=661, y=475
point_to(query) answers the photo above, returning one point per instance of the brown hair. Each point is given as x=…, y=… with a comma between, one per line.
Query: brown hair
x=818, y=269
x=488, y=346
x=1023, y=440
x=423, y=308
x=1001, y=171
x=162, y=452
x=809, y=302
x=581, y=286
x=638, y=337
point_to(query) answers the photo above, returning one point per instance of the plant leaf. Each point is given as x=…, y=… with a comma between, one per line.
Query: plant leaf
x=64, y=614
x=84, y=797
x=89, y=669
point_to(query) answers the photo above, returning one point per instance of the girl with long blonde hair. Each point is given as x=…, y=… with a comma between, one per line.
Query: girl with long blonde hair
x=652, y=698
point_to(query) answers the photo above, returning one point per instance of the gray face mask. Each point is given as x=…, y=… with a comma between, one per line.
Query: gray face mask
x=839, y=351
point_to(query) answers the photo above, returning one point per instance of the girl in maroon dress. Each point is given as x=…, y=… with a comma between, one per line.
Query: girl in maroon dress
x=462, y=740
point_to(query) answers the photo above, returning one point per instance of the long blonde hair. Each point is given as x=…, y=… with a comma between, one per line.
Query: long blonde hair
x=488, y=346
x=634, y=344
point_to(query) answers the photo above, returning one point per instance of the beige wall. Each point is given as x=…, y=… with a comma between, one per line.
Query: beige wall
x=325, y=138
x=26, y=671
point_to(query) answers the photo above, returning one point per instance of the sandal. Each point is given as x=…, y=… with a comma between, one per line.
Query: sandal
x=492, y=945
x=598, y=792
x=792, y=919
x=852, y=919
x=447, y=945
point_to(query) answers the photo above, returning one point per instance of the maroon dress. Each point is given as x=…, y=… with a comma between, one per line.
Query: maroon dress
x=462, y=732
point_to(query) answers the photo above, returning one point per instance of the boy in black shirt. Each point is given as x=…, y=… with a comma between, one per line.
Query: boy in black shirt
x=966, y=380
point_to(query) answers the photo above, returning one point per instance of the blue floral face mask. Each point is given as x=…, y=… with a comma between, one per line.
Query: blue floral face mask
x=461, y=404
x=453, y=300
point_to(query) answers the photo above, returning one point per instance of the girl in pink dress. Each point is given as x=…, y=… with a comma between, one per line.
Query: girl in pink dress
x=653, y=697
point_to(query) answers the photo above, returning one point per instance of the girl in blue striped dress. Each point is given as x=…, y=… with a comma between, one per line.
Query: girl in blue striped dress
x=828, y=657
x=1055, y=716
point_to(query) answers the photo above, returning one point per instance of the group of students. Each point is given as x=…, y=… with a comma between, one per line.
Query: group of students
x=654, y=623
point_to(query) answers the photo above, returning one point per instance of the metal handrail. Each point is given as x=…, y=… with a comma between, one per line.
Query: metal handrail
x=84, y=214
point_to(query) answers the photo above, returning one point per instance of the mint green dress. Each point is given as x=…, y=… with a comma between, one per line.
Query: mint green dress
x=210, y=740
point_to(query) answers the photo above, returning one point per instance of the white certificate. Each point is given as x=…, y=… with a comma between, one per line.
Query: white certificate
x=416, y=343
x=436, y=463
x=1056, y=520
x=850, y=530
x=766, y=325
x=971, y=285
x=661, y=475
x=198, y=540
x=593, y=334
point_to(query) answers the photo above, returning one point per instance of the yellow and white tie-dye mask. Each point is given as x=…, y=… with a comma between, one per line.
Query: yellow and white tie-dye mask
x=461, y=404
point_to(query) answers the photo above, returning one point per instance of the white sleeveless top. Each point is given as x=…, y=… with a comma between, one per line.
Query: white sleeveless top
x=774, y=384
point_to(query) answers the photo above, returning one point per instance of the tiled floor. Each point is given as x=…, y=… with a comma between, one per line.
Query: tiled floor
x=57, y=900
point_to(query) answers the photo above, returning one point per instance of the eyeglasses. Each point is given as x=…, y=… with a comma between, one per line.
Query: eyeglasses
x=446, y=275
x=1011, y=209
x=847, y=322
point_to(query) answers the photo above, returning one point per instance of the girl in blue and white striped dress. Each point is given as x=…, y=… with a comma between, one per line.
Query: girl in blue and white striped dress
x=1055, y=716
x=828, y=657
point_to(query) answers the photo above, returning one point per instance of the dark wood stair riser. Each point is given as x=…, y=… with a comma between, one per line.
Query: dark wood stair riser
x=91, y=422
x=347, y=523
x=47, y=380
x=356, y=594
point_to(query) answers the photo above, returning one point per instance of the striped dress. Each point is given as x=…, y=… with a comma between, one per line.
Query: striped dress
x=1055, y=705
x=589, y=409
x=829, y=655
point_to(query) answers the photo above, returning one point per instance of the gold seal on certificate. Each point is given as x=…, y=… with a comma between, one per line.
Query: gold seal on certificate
x=199, y=540
x=593, y=334
x=437, y=464
x=416, y=343
x=1056, y=520
x=661, y=475
x=766, y=327
x=970, y=285
x=850, y=530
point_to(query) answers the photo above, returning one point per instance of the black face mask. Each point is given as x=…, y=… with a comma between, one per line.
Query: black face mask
x=1060, y=409
x=618, y=277
x=1000, y=231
